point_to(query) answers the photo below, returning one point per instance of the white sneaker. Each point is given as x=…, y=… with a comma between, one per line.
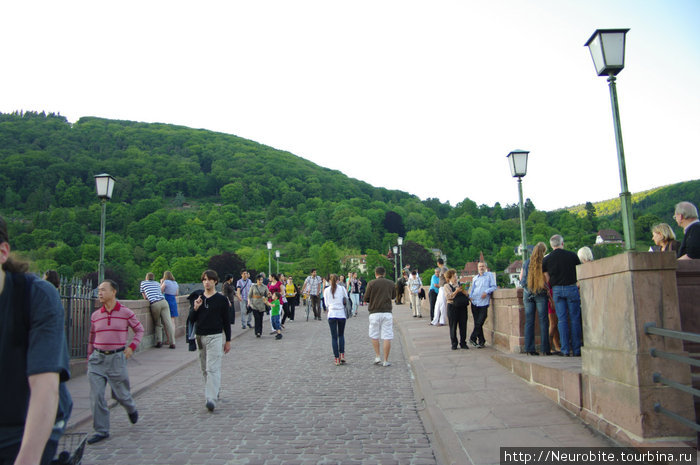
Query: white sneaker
x=386, y=364
x=377, y=361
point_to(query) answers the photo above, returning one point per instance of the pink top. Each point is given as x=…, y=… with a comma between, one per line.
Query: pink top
x=110, y=330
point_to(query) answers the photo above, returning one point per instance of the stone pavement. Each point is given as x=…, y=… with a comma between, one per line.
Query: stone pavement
x=285, y=402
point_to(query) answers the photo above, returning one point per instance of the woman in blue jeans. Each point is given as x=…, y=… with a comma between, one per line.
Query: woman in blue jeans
x=535, y=297
x=334, y=295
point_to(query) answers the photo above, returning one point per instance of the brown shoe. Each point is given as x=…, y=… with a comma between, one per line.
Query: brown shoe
x=172, y=346
x=159, y=345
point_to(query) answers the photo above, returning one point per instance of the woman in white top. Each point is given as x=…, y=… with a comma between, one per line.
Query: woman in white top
x=333, y=295
x=441, y=303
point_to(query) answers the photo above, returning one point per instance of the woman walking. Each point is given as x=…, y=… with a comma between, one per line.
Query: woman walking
x=334, y=295
x=258, y=300
x=535, y=297
x=170, y=290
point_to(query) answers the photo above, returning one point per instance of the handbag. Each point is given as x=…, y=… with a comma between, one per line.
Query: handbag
x=347, y=303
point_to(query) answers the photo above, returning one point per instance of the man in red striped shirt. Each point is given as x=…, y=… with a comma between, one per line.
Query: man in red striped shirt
x=107, y=355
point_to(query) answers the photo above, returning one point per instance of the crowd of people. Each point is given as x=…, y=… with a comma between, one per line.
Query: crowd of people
x=34, y=354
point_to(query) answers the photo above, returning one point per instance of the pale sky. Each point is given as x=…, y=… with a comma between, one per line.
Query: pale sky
x=426, y=97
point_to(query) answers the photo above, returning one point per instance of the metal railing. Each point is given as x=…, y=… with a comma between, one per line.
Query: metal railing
x=78, y=304
x=651, y=328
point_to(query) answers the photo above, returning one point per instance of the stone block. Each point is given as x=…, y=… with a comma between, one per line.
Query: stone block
x=522, y=368
x=547, y=375
x=549, y=392
x=571, y=391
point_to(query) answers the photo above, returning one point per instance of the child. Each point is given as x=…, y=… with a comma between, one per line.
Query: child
x=275, y=314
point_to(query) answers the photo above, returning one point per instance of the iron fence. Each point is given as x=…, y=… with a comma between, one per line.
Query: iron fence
x=78, y=303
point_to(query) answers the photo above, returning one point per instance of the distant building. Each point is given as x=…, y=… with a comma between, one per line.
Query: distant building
x=609, y=236
x=513, y=272
x=470, y=270
x=356, y=262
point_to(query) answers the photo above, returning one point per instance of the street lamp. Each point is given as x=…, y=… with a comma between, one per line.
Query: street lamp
x=277, y=256
x=104, y=184
x=396, y=251
x=400, y=241
x=607, y=47
x=269, y=258
x=518, y=169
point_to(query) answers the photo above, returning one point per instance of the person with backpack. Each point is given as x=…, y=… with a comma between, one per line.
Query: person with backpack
x=35, y=363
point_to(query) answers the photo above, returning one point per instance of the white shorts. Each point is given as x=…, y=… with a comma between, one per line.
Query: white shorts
x=381, y=326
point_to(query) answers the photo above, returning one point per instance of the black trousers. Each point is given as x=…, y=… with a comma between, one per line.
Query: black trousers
x=479, y=314
x=258, y=315
x=432, y=298
x=288, y=311
x=458, y=319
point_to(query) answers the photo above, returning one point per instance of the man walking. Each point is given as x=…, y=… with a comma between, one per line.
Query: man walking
x=379, y=293
x=480, y=292
x=559, y=269
x=34, y=361
x=686, y=215
x=433, y=292
x=242, y=289
x=160, y=310
x=211, y=316
x=107, y=356
x=313, y=286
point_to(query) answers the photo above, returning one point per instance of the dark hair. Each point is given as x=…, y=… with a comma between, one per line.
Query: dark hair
x=313, y=269
x=380, y=271
x=228, y=276
x=211, y=275
x=11, y=264
x=114, y=285
x=441, y=261
x=260, y=276
x=52, y=277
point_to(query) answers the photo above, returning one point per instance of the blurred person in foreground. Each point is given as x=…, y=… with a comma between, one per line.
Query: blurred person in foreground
x=34, y=361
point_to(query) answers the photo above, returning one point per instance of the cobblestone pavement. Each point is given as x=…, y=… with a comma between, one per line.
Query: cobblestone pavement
x=282, y=402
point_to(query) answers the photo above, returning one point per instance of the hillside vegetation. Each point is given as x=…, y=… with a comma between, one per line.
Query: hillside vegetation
x=189, y=198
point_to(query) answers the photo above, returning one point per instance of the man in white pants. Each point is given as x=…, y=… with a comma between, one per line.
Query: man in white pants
x=211, y=315
x=379, y=294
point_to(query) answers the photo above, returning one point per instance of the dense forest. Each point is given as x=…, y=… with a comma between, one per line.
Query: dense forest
x=187, y=199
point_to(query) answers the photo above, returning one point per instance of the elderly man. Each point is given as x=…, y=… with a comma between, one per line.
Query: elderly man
x=559, y=269
x=34, y=361
x=108, y=352
x=686, y=215
x=480, y=292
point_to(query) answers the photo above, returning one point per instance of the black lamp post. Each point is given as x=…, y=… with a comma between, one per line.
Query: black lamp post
x=104, y=184
x=607, y=47
x=518, y=169
x=400, y=242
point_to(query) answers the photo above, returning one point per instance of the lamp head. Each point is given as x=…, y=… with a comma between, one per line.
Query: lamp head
x=518, y=163
x=607, y=47
x=104, y=184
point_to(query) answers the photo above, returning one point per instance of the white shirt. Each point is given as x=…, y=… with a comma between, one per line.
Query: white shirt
x=336, y=309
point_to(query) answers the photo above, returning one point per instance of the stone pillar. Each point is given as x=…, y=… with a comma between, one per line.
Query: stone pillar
x=619, y=295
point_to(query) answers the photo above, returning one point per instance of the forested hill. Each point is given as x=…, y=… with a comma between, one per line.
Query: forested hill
x=187, y=199
x=158, y=160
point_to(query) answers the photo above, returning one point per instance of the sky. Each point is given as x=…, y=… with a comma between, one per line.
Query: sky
x=427, y=97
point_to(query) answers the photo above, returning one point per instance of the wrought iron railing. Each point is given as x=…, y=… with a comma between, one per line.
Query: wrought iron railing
x=78, y=304
x=651, y=328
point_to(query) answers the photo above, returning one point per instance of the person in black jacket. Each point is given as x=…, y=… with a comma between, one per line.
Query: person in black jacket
x=212, y=318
